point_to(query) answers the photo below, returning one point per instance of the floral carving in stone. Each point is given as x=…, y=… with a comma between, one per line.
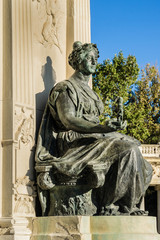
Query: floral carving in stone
x=24, y=197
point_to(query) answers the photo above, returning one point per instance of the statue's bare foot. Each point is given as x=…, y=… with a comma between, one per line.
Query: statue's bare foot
x=139, y=212
x=134, y=212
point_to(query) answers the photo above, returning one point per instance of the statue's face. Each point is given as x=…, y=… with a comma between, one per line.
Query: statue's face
x=88, y=64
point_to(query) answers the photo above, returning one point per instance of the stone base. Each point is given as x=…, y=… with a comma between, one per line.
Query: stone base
x=15, y=228
x=94, y=228
x=71, y=200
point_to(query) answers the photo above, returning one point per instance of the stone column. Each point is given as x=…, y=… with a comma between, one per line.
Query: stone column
x=157, y=188
x=158, y=209
x=1, y=86
x=78, y=16
x=6, y=109
x=18, y=119
x=142, y=206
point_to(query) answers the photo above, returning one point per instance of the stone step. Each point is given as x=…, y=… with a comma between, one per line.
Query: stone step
x=123, y=224
x=124, y=237
x=98, y=237
x=94, y=228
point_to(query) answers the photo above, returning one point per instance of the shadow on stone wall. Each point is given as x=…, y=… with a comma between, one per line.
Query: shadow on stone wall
x=48, y=75
x=151, y=201
x=49, y=79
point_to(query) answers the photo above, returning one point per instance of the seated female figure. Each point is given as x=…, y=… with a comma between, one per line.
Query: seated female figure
x=82, y=151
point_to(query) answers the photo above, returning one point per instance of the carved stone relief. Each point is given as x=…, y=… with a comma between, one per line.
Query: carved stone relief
x=51, y=15
x=156, y=172
x=4, y=231
x=24, y=197
x=156, y=169
x=24, y=125
x=64, y=201
x=65, y=228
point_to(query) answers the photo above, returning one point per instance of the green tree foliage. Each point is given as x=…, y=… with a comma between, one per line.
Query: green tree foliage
x=114, y=78
x=143, y=109
x=142, y=103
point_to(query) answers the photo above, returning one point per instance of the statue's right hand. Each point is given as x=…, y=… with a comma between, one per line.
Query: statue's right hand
x=113, y=124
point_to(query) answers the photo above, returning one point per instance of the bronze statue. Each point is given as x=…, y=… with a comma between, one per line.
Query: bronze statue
x=83, y=167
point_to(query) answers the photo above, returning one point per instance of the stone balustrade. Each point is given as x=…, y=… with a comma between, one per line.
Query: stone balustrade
x=150, y=150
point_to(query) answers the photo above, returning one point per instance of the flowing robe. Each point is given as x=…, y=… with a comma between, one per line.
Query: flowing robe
x=116, y=157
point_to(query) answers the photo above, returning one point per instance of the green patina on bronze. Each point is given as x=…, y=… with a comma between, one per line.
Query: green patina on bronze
x=83, y=167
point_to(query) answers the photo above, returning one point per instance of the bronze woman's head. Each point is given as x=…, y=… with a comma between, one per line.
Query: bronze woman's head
x=80, y=51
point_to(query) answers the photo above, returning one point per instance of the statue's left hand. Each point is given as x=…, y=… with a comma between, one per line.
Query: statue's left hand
x=116, y=125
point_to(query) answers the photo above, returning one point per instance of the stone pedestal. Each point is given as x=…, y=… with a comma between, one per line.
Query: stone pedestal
x=95, y=228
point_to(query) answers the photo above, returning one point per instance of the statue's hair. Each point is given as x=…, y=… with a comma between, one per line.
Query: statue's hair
x=76, y=56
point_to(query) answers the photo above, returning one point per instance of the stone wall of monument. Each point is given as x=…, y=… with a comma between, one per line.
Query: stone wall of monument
x=1, y=76
x=36, y=37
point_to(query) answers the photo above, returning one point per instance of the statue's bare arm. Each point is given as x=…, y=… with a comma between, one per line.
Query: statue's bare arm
x=67, y=114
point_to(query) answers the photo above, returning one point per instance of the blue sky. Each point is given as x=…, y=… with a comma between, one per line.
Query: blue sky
x=132, y=26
